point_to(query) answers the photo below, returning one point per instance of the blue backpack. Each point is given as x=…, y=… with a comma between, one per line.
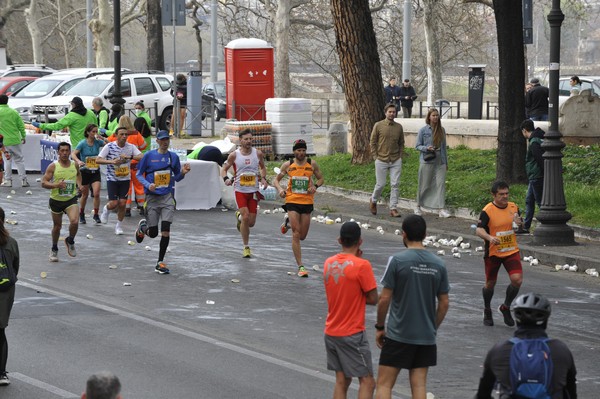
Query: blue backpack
x=531, y=368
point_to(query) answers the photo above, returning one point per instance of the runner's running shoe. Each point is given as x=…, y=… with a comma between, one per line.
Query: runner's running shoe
x=302, y=272
x=104, y=215
x=161, y=268
x=505, y=311
x=139, y=232
x=285, y=225
x=118, y=229
x=82, y=219
x=54, y=255
x=97, y=219
x=487, y=317
x=70, y=248
x=247, y=253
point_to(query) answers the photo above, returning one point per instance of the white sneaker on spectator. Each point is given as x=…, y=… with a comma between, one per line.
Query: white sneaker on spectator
x=444, y=214
x=418, y=211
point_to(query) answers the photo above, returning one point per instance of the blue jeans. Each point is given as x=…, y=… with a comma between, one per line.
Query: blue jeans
x=534, y=196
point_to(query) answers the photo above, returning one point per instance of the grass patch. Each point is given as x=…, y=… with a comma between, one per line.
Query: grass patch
x=470, y=175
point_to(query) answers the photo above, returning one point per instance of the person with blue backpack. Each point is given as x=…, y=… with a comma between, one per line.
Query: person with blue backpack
x=529, y=365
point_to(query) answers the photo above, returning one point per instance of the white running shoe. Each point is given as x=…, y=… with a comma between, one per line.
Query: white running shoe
x=444, y=214
x=118, y=229
x=104, y=215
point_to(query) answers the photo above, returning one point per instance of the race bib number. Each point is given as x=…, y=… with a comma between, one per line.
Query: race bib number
x=122, y=171
x=90, y=163
x=162, y=178
x=300, y=184
x=69, y=189
x=248, y=180
x=508, y=241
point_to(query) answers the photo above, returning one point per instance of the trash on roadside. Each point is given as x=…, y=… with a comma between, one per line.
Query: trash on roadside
x=479, y=249
x=11, y=221
x=29, y=192
x=316, y=268
x=235, y=280
x=456, y=255
x=112, y=266
x=465, y=245
x=338, y=220
x=397, y=232
x=209, y=302
x=147, y=248
x=130, y=242
x=127, y=284
x=441, y=252
x=534, y=262
x=43, y=274
x=13, y=192
x=455, y=250
x=573, y=268
x=89, y=236
x=13, y=212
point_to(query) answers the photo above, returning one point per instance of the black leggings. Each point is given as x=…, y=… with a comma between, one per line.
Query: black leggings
x=3, y=351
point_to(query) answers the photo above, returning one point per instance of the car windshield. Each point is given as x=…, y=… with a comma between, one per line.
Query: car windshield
x=38, y=88
x=220, y=88
x=91, y=87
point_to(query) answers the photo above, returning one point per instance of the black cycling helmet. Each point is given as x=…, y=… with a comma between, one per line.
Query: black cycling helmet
x=531, y=309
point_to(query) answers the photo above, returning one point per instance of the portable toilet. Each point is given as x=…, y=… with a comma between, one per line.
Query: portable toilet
x=249, y=78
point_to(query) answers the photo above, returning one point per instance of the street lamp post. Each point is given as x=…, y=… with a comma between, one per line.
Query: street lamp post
x=553, y=214
x=117, y=96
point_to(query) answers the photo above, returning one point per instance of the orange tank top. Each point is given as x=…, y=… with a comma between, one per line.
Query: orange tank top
x=500, y=225
x=300, y=179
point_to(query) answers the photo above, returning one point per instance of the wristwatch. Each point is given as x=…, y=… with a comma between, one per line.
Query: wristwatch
x=379, y=327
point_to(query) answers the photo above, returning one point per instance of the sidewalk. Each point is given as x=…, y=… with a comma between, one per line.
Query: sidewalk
x=335, y=202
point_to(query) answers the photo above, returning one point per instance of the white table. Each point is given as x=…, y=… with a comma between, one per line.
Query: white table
x=31, y=152
x=201, y=187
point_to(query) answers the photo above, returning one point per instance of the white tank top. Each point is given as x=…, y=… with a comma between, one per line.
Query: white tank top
x=246, y=172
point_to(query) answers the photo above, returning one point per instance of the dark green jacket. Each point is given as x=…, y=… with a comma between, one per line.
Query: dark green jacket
x=534, y=161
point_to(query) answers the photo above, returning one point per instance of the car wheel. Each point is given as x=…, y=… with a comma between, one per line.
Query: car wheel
x=216, y=114
x=165, y=120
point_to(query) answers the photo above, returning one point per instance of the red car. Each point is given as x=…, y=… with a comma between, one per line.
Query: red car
x=11, y=84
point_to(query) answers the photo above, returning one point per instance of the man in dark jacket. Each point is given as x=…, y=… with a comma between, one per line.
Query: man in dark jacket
x=531, y=313
x=407, y=96
x=536, y=101
x=392, y=94
x=534, y=166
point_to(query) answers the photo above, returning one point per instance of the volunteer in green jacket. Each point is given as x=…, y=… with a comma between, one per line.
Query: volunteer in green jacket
x=13, y=130
x=76, y=120
x=140, y=112
x=101, y=112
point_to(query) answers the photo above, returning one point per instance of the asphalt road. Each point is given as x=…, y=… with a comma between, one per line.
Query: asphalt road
x=196, y=334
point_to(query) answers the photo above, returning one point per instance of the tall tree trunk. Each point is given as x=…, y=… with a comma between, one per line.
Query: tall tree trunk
x=62, y=33
x=283, y=85
x=156, y=53
x=32, y=18
x=431, y=18
x=361, y=71
x=101, y=28
x=510, y=159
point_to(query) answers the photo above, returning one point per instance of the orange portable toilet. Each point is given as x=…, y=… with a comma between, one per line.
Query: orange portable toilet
x=249, y=78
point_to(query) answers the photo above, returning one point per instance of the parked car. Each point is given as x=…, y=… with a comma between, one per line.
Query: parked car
x=26, y=70
x=587, y=83
x=52, y=85
x=148, y=87
x=11, y=84
x=215, y=91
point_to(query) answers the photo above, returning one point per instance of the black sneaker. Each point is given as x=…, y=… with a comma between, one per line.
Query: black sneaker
x=128, y=212
x=4, y=381
x=82, y=218
x=487, y=317
x=522, y=232
x=139, y=232
x=97, y=219
x=508, y=320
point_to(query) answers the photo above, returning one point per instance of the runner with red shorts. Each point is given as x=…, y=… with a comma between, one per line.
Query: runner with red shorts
x=495, y=226
x=248, y=171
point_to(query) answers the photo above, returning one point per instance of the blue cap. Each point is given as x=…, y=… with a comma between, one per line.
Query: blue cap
x=163, y=134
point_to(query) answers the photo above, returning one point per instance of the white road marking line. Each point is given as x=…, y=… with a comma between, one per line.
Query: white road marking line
x=42, y=385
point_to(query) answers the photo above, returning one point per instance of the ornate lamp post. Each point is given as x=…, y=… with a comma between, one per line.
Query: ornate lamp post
x=553, y=214
x=117, y=96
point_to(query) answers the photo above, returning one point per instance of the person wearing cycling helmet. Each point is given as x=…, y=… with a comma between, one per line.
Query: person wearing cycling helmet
x=531, y=312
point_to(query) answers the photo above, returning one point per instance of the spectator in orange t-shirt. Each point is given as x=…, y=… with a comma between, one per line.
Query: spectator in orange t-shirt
x=349, y=285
